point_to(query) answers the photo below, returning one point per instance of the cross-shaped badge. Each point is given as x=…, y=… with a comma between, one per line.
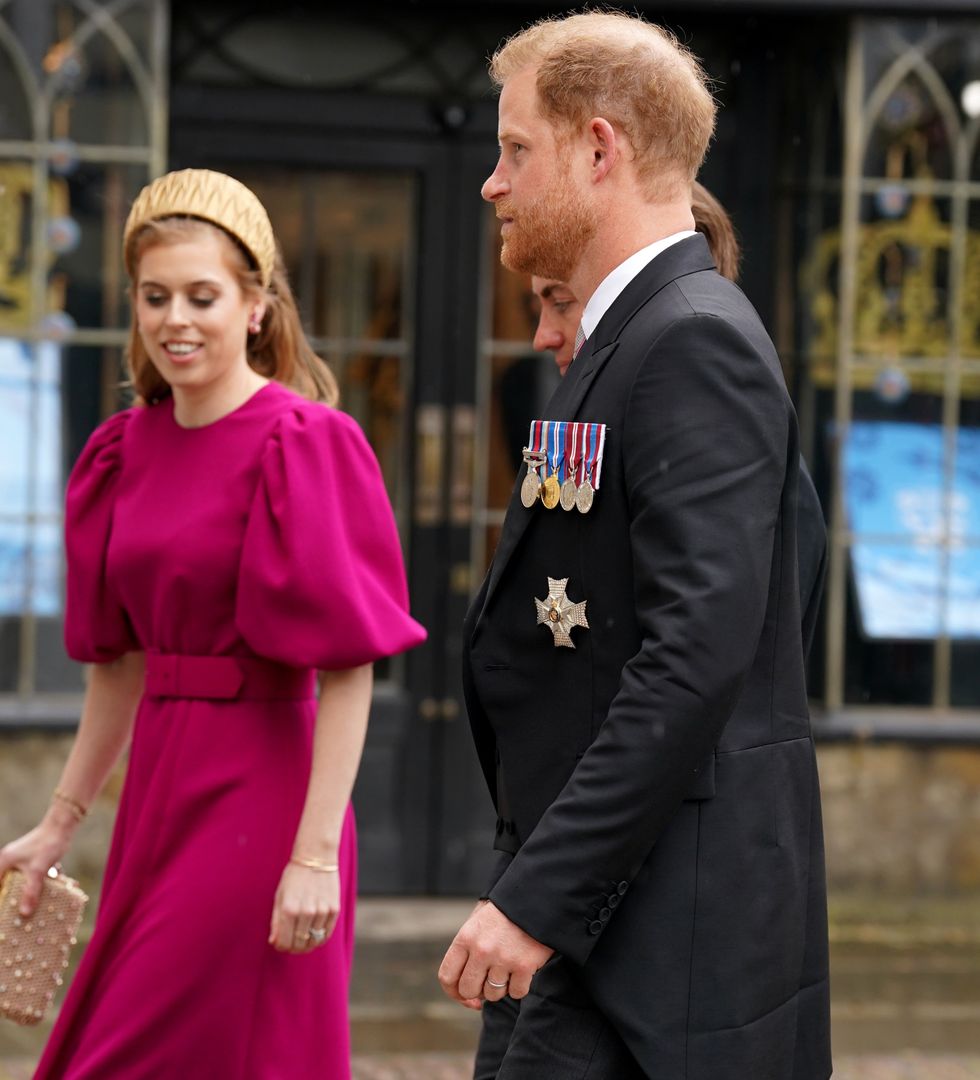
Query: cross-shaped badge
x=559, y=614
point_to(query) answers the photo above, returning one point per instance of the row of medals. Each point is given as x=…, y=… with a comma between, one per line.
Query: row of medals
x=551, y=493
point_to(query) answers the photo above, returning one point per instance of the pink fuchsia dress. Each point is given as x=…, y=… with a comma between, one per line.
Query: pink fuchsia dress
x=264, y=544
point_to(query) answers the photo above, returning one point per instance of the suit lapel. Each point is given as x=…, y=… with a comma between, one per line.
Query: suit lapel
x=685, y=257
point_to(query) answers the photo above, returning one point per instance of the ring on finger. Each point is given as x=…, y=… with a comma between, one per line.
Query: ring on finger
x=316, y=936
x=497, y=985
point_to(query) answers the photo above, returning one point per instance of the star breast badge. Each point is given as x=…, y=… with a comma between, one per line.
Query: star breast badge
x=559, y=614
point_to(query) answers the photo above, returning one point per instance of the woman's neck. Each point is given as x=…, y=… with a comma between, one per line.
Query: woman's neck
x=196, y=406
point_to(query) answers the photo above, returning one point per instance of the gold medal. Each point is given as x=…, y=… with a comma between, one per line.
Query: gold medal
x=551, y=491
x=568, y=493
x=584, y=497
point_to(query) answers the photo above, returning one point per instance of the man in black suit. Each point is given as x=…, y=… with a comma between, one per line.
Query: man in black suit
x=658, y=909
x=559, y=315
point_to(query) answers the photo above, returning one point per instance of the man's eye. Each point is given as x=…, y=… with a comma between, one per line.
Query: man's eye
x=561, y=306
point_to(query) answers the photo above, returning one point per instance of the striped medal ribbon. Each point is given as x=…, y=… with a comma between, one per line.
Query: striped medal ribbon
x=535, y=455
x=594, y=442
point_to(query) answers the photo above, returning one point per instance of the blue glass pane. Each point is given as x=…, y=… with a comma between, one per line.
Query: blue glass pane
x=907, y=585
x=31, y=481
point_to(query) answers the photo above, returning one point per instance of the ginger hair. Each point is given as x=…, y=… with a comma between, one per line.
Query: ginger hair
x=280, y=350
x=630, y=72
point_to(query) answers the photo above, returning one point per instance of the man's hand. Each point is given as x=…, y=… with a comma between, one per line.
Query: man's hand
x=490, y=958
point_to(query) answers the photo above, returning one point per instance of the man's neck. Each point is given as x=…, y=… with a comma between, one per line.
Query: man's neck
x=622, y=237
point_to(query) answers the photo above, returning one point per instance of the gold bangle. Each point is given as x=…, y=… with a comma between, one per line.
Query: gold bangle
x=315, y=864
x=78, y=810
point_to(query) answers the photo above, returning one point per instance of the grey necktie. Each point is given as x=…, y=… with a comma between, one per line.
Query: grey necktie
x=579, y=341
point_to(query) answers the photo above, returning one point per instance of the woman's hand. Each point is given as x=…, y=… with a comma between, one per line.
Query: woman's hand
x=306, y=900
x=34, y=854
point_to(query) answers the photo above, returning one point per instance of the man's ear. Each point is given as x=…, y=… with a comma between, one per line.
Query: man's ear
x=606, y=148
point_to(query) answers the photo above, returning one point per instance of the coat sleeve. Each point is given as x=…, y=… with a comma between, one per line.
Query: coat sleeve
x=705, y=462
x=97, y=629
x=322, y=580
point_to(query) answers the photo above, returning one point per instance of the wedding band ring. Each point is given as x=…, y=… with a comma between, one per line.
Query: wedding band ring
x=317, y=936
x=496, y=985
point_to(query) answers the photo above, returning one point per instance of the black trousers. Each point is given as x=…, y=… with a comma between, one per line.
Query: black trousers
x=555, y=1033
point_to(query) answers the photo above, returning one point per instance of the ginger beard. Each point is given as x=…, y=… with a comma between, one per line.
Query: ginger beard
x=547, y=237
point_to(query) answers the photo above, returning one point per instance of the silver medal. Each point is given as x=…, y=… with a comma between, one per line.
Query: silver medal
x=584, y=497
x=568, y=493
x=531, y=484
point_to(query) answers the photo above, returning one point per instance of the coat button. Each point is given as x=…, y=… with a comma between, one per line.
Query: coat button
x=622, y=887
x=613, y=900
x=604, y=914
x=595, y=927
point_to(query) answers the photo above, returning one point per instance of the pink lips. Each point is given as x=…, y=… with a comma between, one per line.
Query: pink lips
x=182, y=358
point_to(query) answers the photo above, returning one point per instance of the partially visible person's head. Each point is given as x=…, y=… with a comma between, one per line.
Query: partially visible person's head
x=633, y=74
x=558, y=319
x=209, y=290
x=711, y=218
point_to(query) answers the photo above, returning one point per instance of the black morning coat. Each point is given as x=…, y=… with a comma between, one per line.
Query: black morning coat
x=657, y=784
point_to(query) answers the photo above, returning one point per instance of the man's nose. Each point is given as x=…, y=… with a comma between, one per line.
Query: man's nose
x=494, y=186
x=547, y=336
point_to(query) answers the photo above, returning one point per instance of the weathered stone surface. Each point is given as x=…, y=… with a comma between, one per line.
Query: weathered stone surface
x=901, y=819
x=898, y=819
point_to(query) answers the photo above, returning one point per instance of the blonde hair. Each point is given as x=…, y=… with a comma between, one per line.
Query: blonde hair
x=634, y=74
x=280, y=349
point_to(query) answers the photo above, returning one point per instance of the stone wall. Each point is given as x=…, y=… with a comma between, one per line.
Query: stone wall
x=899, y=819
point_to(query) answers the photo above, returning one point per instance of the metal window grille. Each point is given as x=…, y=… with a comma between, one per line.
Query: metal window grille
x=83, y=119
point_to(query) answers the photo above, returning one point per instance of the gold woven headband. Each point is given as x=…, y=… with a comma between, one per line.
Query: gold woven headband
x=211, y=196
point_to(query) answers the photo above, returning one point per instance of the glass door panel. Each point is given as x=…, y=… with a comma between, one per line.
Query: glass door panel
x=348, y=241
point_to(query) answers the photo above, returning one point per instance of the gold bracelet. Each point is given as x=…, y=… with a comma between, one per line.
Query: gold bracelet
x=78, y=810
x=315, y=864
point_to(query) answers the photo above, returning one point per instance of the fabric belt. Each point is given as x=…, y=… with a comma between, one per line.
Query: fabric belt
x=225, y=678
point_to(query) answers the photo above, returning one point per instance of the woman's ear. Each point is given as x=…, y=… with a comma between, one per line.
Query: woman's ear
x=256, y=316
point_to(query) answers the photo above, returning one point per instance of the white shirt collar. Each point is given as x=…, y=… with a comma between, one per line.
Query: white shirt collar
x=616, y=280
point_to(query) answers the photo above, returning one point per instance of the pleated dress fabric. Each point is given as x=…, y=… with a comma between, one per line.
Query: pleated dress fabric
x=267, y=534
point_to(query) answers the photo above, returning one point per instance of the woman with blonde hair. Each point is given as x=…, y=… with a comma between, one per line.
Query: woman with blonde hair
x=227, y=538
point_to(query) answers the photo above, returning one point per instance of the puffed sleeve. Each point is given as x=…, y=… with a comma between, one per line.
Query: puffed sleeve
x=322, y=580
x=97, y=629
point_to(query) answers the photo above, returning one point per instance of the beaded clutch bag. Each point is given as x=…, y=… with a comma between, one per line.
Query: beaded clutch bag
x=34, y=952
